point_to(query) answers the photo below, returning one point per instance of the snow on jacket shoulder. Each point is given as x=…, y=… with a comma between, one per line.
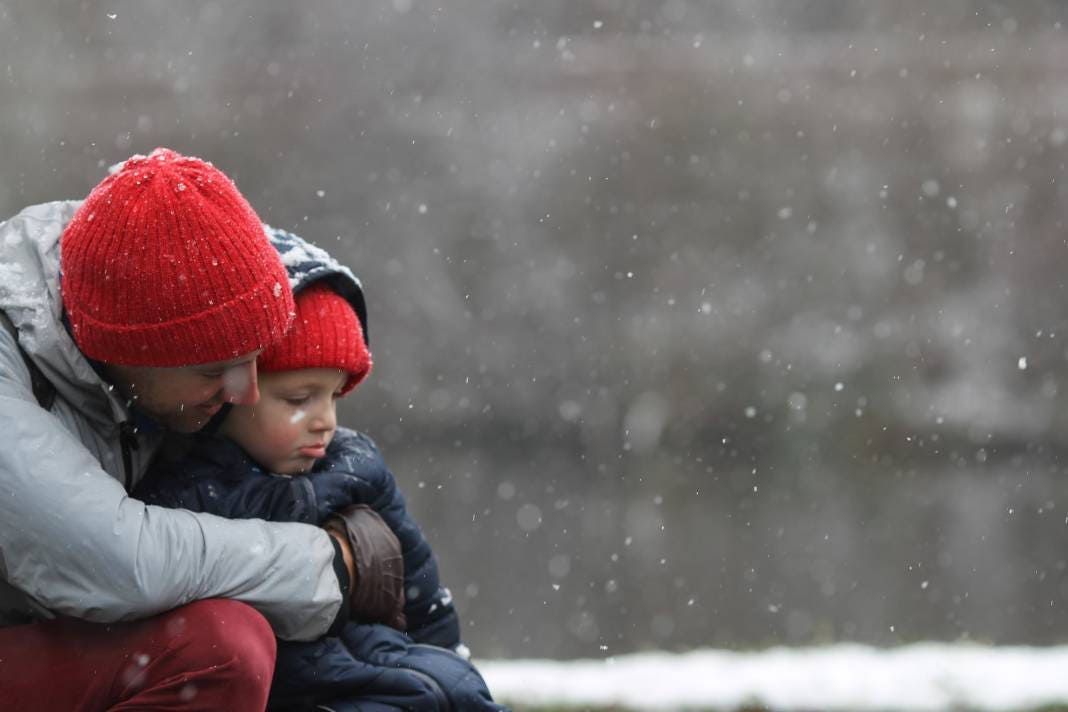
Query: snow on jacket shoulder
x=73, y=543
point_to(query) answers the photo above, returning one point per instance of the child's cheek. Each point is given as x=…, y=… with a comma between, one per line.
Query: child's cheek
x=285, y=430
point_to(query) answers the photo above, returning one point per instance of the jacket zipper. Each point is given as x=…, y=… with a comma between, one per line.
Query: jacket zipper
x=128, y=441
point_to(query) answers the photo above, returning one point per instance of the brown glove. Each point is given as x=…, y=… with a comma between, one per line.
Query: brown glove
x=378, y=591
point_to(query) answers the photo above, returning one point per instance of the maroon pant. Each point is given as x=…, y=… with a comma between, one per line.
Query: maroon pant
x=208, y=655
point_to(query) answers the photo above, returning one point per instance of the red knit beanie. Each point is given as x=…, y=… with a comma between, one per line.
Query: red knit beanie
x=325, y=334
x=166, y=264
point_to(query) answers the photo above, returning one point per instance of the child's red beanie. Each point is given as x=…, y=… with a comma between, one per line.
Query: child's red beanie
x=166, y=264
x=325, y=334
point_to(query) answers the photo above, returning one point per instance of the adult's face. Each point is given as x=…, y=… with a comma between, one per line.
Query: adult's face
x=184, y=399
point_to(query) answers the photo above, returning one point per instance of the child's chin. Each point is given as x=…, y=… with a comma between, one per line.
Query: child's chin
x=293, y=469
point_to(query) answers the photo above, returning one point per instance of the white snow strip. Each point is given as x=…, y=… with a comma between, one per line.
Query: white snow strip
x=924, y=676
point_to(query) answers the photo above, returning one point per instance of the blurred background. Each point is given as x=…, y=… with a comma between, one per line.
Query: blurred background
x=695, y=323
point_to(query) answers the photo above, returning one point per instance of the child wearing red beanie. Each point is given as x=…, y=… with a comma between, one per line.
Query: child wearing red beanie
x=321, y=358
x=284, y=459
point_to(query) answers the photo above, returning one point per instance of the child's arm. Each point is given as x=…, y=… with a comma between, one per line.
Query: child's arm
x=429, y=609
x=215, y=476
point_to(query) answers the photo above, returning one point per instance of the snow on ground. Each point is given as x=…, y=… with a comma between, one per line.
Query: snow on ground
x=924, y=676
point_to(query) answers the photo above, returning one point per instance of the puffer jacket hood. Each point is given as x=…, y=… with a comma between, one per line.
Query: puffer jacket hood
x=29, y=295
x=308, y=264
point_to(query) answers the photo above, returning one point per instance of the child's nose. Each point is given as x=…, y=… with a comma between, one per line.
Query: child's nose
x=325, y=419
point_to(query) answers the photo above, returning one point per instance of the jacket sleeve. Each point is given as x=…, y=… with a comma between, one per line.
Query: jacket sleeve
x=354, y=472
x=78, y=545
x=325, y=671
x=457, y=683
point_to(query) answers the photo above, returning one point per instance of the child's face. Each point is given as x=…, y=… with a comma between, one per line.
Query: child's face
x=293, y=422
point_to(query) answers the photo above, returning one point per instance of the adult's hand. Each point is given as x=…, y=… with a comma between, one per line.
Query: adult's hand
x=346, y=552
x=377, y=589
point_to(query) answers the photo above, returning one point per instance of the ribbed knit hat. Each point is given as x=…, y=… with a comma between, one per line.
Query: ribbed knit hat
x=166, y=264
x=325, y=334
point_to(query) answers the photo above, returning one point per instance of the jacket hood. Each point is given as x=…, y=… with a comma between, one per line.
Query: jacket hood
x=29, y=294
x=308, y=264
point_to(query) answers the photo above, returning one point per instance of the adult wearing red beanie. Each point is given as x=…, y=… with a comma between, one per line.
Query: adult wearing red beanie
x=166, y=264
x=140, y=310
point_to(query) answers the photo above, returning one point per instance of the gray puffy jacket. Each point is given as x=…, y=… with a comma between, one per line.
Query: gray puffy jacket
x=72, y=542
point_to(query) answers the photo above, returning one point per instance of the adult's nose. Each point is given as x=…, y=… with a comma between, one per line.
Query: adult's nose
x=241, y=385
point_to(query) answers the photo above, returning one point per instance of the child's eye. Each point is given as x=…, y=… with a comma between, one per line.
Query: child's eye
x=297, y=400
x=211, y=374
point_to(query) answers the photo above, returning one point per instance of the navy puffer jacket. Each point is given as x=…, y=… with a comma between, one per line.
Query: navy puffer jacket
x=210, y=473
x=369, y=666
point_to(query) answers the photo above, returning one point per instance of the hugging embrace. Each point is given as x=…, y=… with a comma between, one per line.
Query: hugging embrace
x=184, y=524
